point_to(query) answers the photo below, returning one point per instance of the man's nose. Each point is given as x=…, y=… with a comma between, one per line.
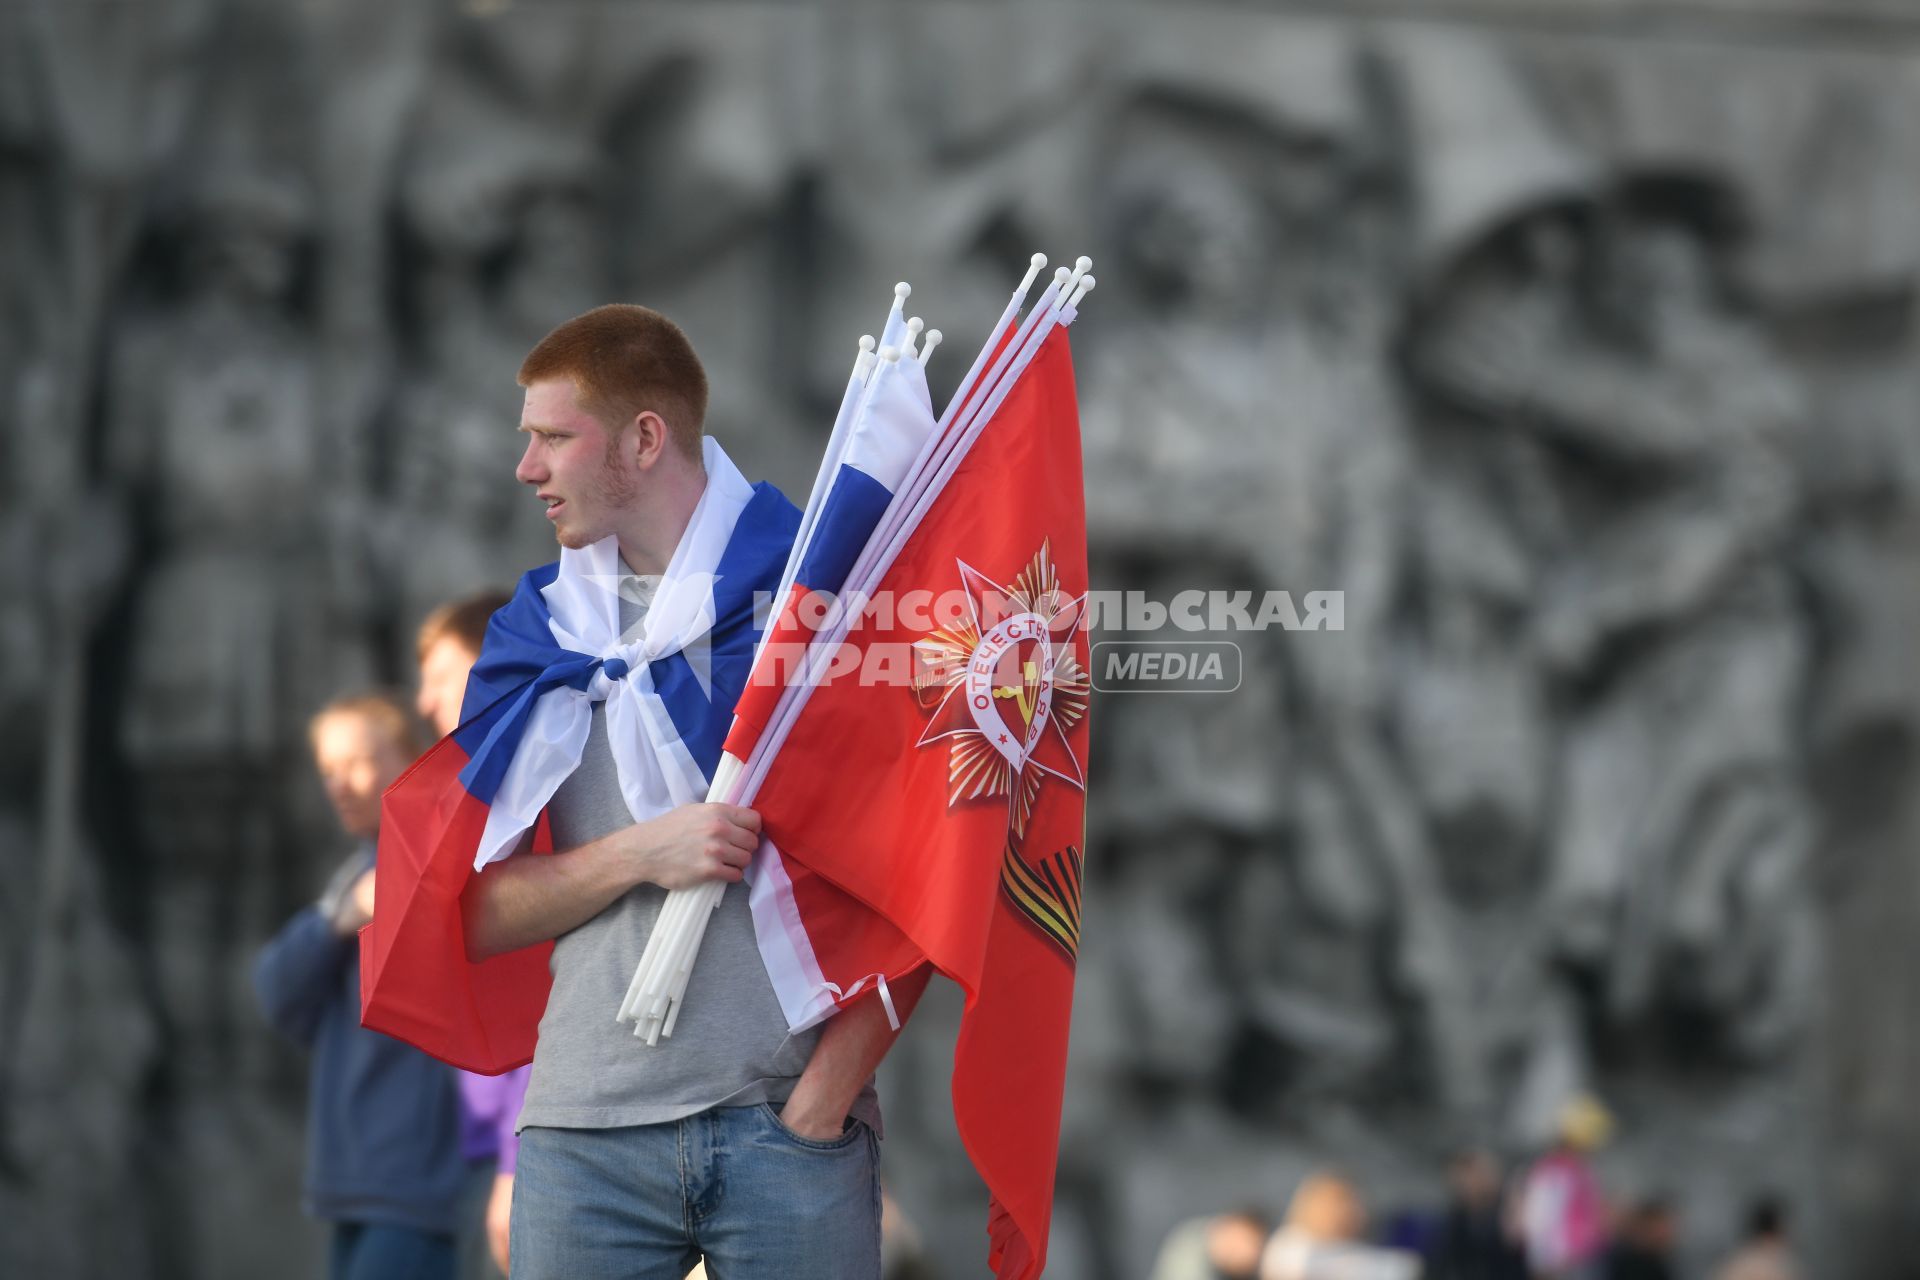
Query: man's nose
x=530, y=470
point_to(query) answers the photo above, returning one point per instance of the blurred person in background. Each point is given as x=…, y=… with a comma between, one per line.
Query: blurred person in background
x=1324, y=1238
x=1473, y=1241
x=1644, y=1249
x=383, y=1150
x=446, y=647
x=1563, y=1216
x=1223, y=1246
x=1766, y=1254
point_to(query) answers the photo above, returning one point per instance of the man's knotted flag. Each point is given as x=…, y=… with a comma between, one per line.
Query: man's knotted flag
x=551, y=653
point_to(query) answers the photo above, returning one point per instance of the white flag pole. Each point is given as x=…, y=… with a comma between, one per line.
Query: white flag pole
x=674, y=941
x=1035, y=265
x=680, y=909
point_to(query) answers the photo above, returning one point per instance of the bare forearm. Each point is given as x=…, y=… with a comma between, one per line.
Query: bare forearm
x=522, y=900
x=851, y=1047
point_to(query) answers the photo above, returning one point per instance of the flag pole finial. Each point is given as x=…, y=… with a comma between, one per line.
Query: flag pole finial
x=890, y=353
x=926, y=348
x=1035, y=265
x=901, y=292
x=914, y=325
x=866, y=343
x=1081, y=266
x=1080, y=291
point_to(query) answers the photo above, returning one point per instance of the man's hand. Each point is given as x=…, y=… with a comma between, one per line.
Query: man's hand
x=696, y=843
x=523, y=900
x=499, y=1217
x=851, y=1046
x=811, y=1115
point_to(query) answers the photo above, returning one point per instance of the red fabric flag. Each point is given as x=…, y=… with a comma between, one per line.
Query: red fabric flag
x=415, y=984
x=953, y=805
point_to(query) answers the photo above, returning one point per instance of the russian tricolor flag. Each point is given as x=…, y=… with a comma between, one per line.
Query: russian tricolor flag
x=890, y=427
x=445, y=812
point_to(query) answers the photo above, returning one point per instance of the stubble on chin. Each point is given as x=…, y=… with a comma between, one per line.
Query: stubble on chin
x=610, y=490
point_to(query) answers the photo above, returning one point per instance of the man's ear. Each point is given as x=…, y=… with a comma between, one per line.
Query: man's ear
x=649, y=436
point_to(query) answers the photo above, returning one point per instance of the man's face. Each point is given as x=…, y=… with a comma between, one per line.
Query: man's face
x=574, y=465
x=357, y=761
x=443, y=683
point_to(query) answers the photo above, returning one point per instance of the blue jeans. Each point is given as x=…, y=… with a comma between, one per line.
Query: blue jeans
x=377, y=1251
x=731, y=1185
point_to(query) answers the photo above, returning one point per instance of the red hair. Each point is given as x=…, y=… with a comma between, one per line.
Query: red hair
x=624, y=360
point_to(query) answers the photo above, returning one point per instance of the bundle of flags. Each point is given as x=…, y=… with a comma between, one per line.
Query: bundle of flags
x=919, y=771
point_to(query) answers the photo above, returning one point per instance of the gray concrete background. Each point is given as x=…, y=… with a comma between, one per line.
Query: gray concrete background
x=1574, y=342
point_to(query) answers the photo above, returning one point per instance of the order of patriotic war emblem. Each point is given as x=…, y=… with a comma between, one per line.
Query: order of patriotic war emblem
x=1005, y=685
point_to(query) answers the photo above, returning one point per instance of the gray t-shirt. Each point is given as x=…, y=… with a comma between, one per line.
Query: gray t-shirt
x=730, y=1046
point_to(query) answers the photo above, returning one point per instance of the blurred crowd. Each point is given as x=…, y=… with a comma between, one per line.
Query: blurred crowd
x=1550, y=1219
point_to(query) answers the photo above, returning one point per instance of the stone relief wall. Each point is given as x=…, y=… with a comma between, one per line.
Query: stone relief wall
x=1581, y=361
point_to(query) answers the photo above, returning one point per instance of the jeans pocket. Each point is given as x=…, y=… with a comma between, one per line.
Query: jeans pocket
x=841, y=1143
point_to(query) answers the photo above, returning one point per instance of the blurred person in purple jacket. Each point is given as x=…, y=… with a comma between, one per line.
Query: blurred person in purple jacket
x=1562, y=1211
x=448, y=642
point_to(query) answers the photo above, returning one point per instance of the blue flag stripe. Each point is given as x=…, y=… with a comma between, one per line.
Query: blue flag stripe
x=520, y=661
x=847, y=519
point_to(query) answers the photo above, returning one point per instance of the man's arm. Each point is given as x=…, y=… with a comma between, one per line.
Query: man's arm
x=524, y=900
x=298, y=973
x=851, y=1047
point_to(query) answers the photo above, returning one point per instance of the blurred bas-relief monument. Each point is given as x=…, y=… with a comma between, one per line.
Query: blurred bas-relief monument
x=1581, y=362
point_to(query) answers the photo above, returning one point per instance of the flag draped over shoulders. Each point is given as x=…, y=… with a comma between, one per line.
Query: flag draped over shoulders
x=552, y=652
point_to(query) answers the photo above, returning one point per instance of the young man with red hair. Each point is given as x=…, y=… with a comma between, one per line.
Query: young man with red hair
x=733, y=1139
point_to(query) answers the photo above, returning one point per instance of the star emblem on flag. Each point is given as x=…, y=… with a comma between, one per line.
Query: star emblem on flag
x=1005, y=685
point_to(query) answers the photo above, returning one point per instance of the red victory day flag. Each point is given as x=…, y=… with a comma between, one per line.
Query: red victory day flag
x=944, y=816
